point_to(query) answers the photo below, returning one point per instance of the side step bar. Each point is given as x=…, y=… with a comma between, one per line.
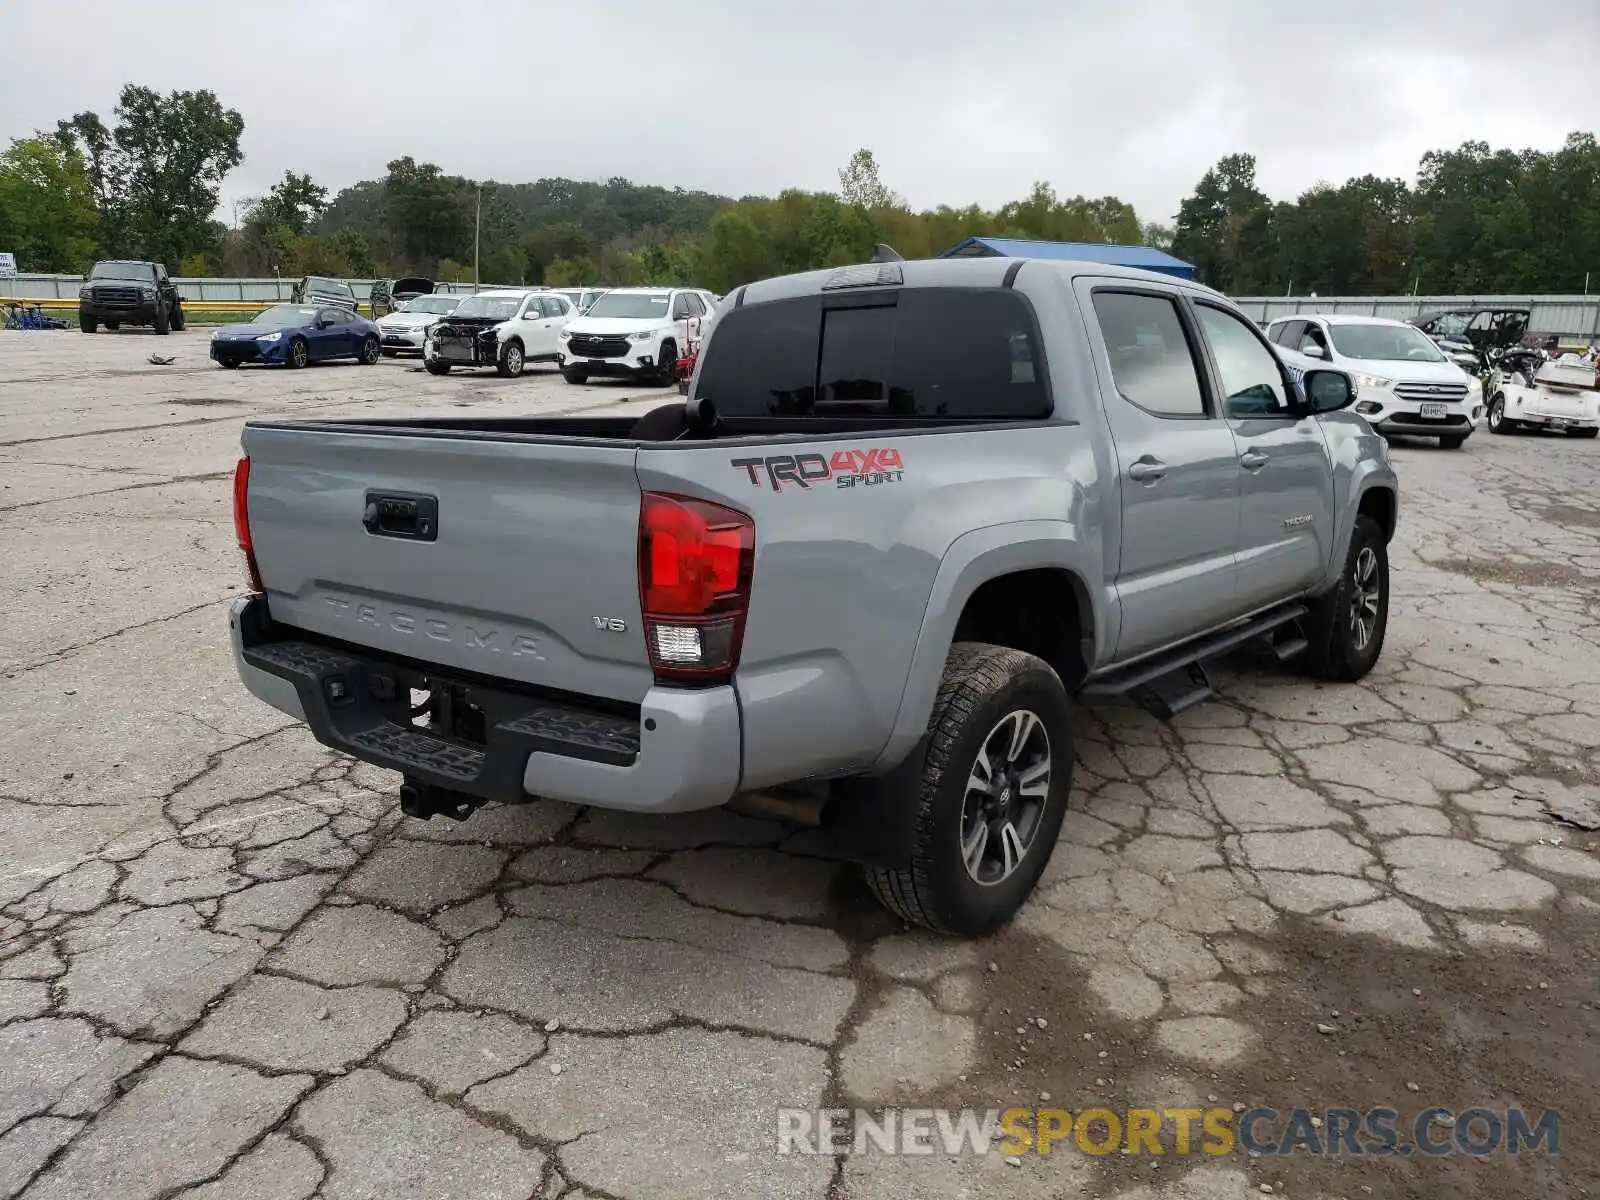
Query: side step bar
x=1176, y=679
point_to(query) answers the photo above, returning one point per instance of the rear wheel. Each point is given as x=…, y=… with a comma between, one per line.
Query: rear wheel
x=1451, y=443
x=510, y=364
x=574, y=374
x=299, y=352
x=86, y=324
x=994, y=791
x=1346, y=626
x=435, y=367
x=162, y=321
x=1582, y=433
x=177, y=317
x=369, y=350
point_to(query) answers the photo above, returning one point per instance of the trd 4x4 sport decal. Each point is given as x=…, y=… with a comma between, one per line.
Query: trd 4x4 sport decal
x=846, y=468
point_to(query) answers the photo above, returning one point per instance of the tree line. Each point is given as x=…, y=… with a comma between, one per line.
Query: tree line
x=147, y=184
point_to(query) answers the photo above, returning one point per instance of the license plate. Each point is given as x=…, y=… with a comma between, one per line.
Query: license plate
x=1433, y=410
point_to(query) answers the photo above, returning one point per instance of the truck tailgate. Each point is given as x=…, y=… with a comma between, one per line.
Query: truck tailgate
x=514, y=558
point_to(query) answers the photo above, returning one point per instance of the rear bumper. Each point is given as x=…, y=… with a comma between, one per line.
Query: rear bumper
x=680, y=752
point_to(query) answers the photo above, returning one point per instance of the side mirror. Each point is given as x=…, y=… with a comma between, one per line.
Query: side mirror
x=1328, y=391
x=1312, y=350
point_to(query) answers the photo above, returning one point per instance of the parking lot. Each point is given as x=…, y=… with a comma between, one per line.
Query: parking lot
x=229, y=969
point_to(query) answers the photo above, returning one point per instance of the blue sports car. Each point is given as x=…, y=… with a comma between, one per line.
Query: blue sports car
x=297, y=334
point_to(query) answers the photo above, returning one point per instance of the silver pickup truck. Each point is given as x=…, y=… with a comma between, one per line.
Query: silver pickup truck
x=908, y=512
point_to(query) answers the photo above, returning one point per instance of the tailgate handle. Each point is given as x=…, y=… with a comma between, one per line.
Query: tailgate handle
x=402, y=515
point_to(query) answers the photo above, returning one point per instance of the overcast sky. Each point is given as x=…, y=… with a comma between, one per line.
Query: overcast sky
x=960, y=102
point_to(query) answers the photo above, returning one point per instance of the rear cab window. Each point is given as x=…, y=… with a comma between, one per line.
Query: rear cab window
x=961, y=354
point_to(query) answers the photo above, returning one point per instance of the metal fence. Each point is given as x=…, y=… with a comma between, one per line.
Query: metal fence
x=1570, y=316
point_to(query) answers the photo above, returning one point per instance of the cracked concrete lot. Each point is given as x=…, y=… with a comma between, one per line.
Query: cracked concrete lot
x=230, y=970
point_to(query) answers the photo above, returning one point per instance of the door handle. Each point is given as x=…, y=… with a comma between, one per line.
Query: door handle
x=1147, y=470
x=1253, y=460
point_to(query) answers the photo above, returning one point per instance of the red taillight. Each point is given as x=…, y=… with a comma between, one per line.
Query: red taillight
x=696, y=559
x=241, y=522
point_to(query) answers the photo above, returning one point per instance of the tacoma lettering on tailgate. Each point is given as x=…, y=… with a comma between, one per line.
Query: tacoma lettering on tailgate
x=846, y=468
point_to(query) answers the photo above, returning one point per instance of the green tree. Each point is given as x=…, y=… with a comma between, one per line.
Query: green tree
x=158, y=172
x=1224, y=228
x=1156, y=234
x=48, y=217
x=429, y=214
x=294, y=202
x=570, y=272
x=860, y=184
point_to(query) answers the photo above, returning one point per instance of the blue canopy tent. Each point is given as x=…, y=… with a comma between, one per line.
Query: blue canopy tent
x=1145, y=257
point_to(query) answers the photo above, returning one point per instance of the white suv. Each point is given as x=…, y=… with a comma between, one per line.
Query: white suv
x=501, y=329
x=1404, y=384
x=638, y=332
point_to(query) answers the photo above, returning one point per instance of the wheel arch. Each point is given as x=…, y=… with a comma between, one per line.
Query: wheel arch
x=1382, y=504
x=1000, y=584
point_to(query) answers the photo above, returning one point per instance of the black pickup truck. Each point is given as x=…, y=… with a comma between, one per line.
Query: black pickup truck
x=120, y=292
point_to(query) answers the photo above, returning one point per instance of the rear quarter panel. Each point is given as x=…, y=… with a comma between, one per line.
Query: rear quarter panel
x=845, y=571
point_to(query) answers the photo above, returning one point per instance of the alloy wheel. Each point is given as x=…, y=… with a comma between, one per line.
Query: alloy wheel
x=1366, y=590
x=1005, y=797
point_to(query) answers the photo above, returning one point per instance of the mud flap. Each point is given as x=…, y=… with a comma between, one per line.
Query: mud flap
x=873, y=820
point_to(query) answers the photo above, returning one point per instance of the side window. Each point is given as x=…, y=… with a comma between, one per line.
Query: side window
x=1152, y=364
x=1314, y=342
x=553, y=306
x=697, y=307
x=161, y=273
x=680, y=306
x=1289, y=334
x=1480, y=323
x=1252, y=379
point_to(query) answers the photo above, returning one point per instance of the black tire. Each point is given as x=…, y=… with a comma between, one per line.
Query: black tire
x=113, y=326
x=437, y=368
x=1582, y=433
x=574, y=374
x=1336, y=649
x=510, y=363
x=162, y=321
x=177, y=318
x=230, y=364
x=369, y=351
x=667, y=367
x=1498, y=421
x=985, y=695
x=86, y=324
x=1451, y=443
x=299, y=353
